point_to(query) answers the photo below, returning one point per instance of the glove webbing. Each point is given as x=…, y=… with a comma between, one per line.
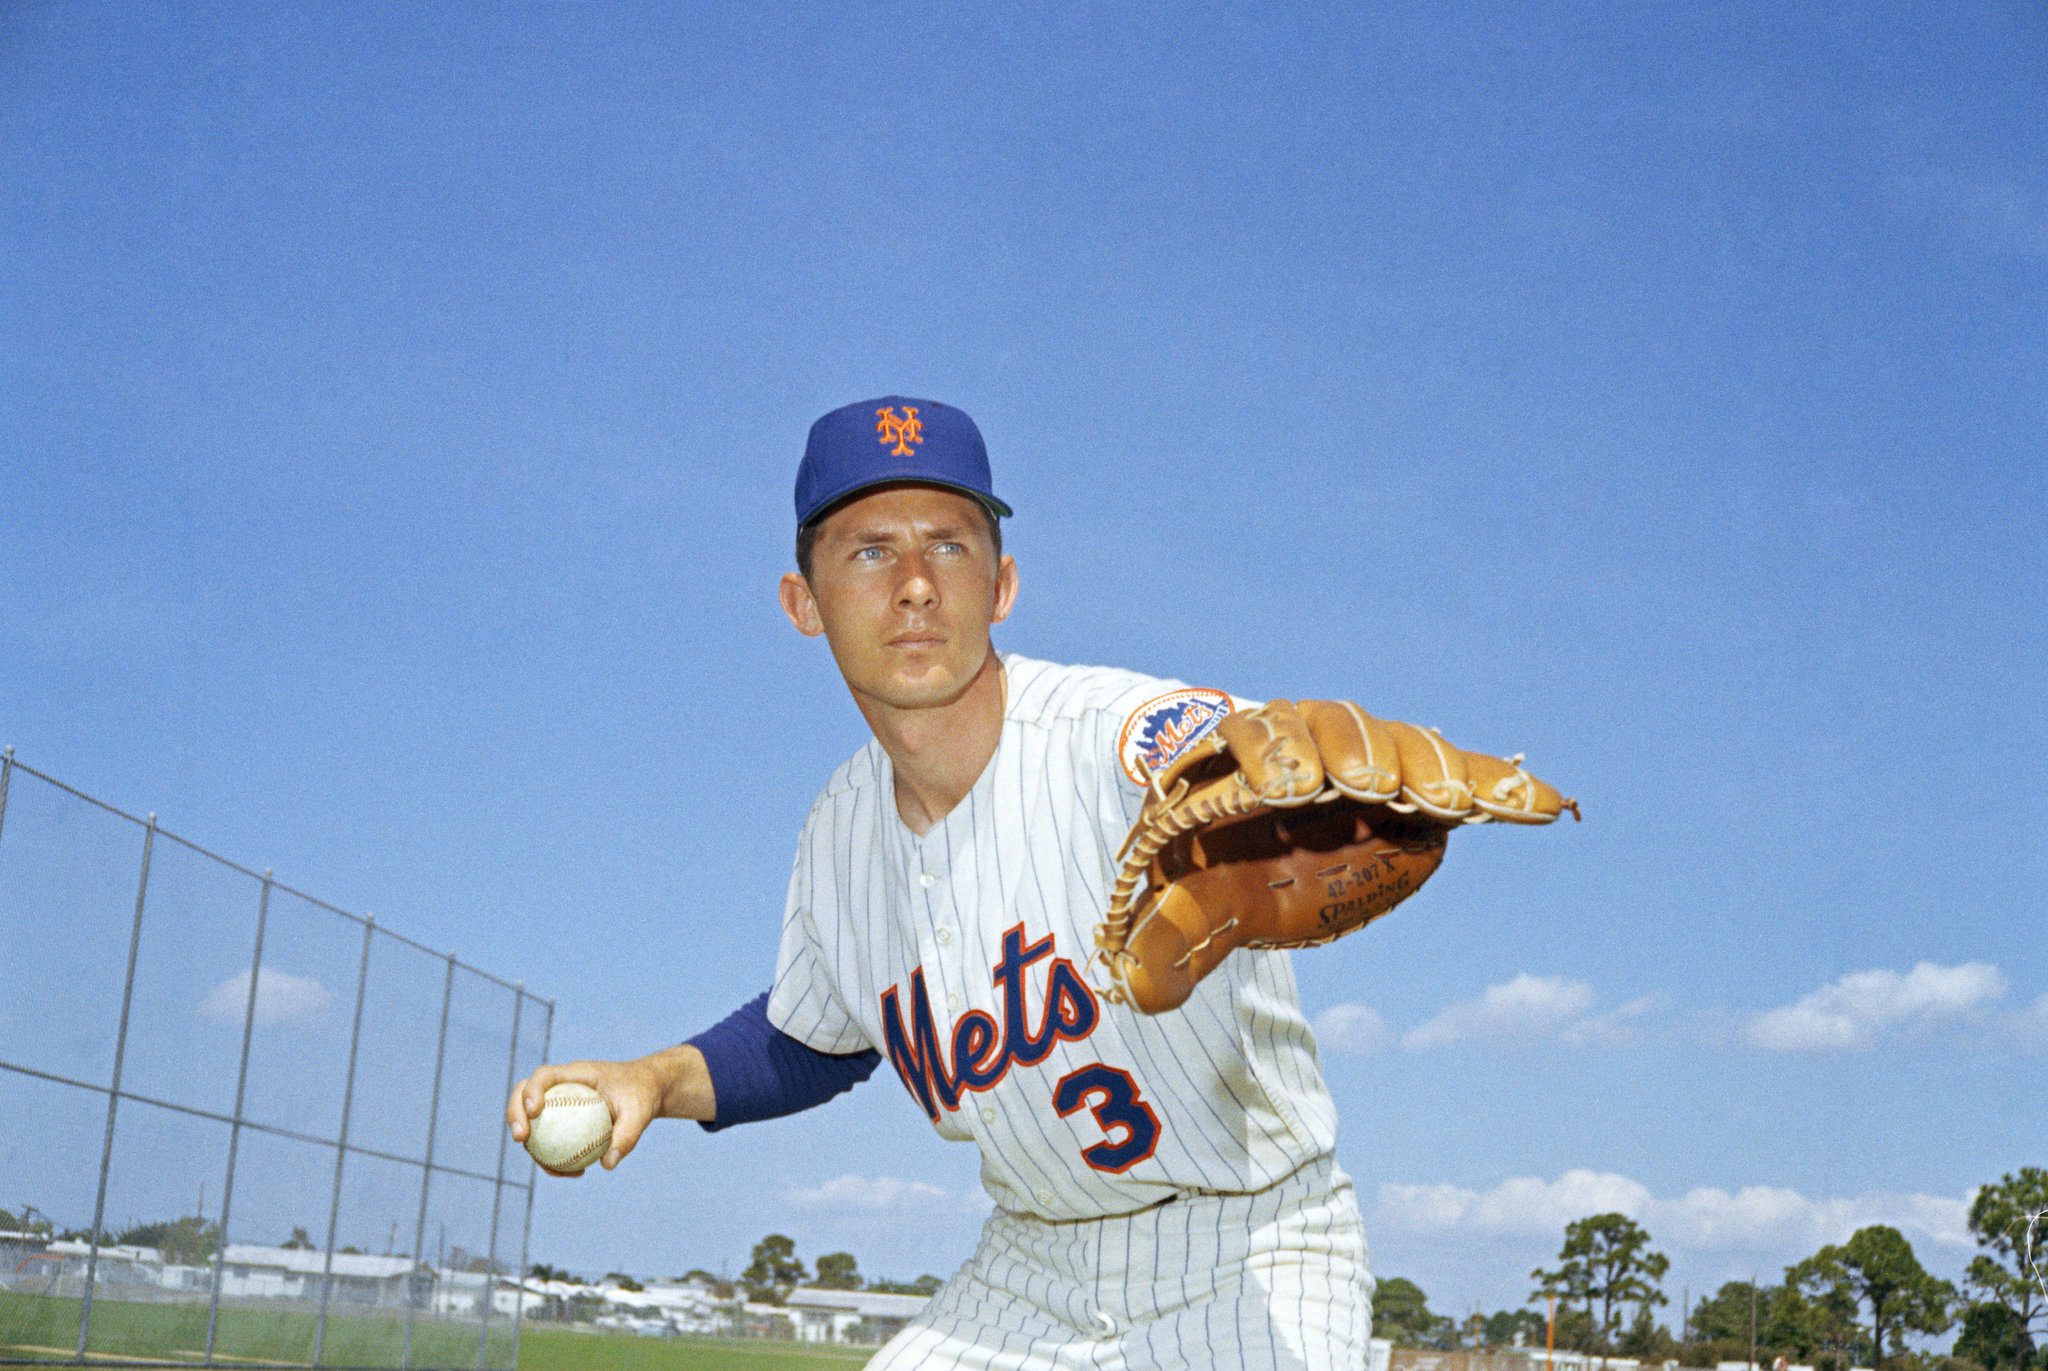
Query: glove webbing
x=1155, y=830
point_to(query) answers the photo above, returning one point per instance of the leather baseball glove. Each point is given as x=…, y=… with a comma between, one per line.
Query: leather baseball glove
x=1290, y=826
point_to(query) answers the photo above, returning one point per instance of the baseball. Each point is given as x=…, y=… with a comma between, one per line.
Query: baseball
x=572, y=1130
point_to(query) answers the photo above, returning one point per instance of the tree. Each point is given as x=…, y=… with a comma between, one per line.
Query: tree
x=1902, y=1296
x=541, y=1271
x=299, y=1241
x=1605, y=1261
x=774, y=1270
x=622, y=1281
x=1400, y=1313
x=1570, y=1283
x=1993, y=1338
x=1828, y=1304
x=1720, y=1315
x=837, y=1271
x=1513, y=1327
x=1647, y=1340
x=2010, y=1222
x=183, y=1242
x=1876, y=1267
x=1724, y=1315
x=1575, y=1329
x=923, y=1285
x=720, y=1287
x=1787, y=1323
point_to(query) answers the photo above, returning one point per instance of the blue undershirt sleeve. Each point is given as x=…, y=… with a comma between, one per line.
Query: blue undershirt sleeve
x=760, y=1072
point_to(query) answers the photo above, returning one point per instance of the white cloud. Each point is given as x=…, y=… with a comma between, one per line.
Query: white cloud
x=1764, y=1216
x=1519, y=1205
x=1753, y=1217
x=1354, y=1029
x=1851, y=1012
x=1615, y=1028
x=1525, y=1009
x=280, y=998
x=879, y=1194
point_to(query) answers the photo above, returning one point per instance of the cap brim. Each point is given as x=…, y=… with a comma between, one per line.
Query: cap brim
x=835, y=500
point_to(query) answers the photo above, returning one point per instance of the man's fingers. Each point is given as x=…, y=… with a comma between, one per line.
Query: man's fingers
x=625, y=1137
x=529, y=1097
x=523, y=1104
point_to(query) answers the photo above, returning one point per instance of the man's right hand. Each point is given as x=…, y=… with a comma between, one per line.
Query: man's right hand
x=670, y=1084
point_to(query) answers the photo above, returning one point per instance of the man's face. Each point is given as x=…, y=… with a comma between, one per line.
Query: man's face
x=904, y=585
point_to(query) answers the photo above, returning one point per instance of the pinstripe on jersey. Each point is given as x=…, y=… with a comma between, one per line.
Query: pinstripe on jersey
x=962, y=955
x=1275, y=1281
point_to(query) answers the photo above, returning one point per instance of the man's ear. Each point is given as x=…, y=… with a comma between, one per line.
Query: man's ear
x=1006, y=588
x=800, y=605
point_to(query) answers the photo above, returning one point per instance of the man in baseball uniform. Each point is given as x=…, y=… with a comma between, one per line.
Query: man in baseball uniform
x=1166, y=1193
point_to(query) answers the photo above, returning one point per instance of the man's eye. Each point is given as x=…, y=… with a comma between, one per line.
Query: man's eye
x=868, y=554
x=950, y=548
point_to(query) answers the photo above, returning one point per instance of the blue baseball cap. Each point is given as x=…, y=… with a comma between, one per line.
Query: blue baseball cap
x=891, y=439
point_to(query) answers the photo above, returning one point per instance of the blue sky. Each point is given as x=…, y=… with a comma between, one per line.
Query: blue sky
x=397, y=416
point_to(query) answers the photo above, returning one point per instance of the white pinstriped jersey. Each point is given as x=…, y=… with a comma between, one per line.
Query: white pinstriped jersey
x=963, y=956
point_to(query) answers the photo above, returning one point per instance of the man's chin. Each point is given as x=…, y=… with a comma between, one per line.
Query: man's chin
x=934, y=691
x=932, y=685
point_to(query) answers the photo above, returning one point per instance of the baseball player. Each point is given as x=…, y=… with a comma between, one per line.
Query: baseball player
x=1166, y=1192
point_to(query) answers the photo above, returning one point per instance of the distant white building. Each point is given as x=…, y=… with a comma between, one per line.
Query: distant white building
x=866, y=1316
x=251, y=1271
x=460, y=1294
x=118, y=1265
x=672, y=1306
x=255, y=1272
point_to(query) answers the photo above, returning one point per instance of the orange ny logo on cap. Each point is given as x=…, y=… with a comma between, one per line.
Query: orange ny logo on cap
x=902, y=432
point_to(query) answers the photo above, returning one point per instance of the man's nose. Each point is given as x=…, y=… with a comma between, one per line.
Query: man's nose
x=916, y=589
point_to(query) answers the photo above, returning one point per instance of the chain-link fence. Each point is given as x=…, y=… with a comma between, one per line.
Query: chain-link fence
x=238, y=1125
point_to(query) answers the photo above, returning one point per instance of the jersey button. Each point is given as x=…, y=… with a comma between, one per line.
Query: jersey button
x=988, y=1113
x=1046, y=1197
x=953, y=1003
x=945, y=937
x=926, y=879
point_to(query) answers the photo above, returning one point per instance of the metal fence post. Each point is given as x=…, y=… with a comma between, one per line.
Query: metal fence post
x=227, y=1197
x=348, y=1097
x=6, y=775
x=99, y=1204
x=547, y=1037
x=483, y=1331
x=419, y=1232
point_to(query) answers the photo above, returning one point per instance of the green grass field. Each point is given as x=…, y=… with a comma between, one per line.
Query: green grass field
x=558, y=1349
x=44, y=1328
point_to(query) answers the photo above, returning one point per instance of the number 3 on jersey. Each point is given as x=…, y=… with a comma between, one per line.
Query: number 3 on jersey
x=1112, y=1097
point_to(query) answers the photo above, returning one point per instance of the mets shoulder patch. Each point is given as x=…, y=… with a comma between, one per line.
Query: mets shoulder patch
x=1163, y=729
